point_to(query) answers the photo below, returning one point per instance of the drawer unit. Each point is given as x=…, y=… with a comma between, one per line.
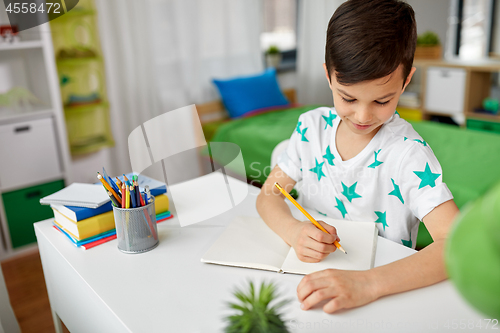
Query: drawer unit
x=445, y=90
x=22, y=208
x=28, y=154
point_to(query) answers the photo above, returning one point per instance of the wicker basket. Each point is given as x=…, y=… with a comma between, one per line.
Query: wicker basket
x=428, y=52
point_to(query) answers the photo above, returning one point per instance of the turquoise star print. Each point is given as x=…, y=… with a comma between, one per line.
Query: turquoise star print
x=321, y=212
x=318, y=169
x=427, y=177
x=396, y=192
x=329, y=156
x=329, y=119
x=405, y=138
x=381, y=219
x=376, y=163
x=303, y=133
x=407, y=243
x=298, y=127
x=350, y=192
x=340, y=206
x=422, y=142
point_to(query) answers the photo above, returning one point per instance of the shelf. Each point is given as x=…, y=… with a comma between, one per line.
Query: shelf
x=85, y=106
x=36, y=113
x=483, y=116
x=77, y=61
x=32, y=44
x=416, y=108
x=442, y=114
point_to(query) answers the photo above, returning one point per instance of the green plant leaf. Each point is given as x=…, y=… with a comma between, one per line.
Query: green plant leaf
x=254, y=312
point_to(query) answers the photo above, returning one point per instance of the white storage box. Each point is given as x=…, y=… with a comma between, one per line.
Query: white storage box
x=28, y=154
x=445, y=92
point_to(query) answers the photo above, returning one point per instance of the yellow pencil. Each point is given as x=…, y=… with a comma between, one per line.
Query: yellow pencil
x=319, y=226
x=127, y=198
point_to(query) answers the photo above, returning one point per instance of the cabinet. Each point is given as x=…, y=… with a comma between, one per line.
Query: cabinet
x=456, y=88
x=34, y=153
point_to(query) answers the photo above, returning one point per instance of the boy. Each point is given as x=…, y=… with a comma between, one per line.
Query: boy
x=362, y=162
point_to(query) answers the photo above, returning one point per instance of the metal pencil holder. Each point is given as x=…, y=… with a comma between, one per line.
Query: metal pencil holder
x=136, y=228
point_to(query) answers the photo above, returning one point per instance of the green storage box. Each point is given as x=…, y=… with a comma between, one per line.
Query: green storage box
x=23, y=208
x=483, y=125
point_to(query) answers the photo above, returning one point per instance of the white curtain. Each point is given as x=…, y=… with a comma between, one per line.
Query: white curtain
x=312, y=85
x=161, y=55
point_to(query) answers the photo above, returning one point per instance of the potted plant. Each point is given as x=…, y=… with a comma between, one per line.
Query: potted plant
x=273, y=56
x=254, y=311
x=428, y=46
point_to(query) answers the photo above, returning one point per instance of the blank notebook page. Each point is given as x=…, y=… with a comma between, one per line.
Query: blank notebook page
x=248, y=242
x=359, y=240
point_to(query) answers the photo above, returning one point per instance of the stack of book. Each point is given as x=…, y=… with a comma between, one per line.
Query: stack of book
x=87, y=227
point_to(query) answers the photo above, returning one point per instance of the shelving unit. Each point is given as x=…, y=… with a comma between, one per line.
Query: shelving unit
x=21, y=45
x=80, y=68
x=456, y=88
x=35, y=156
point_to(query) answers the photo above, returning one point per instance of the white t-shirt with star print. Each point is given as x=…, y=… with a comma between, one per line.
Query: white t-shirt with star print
x=394, y=181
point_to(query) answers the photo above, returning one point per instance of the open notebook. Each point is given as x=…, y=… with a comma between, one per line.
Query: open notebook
x=249, y=242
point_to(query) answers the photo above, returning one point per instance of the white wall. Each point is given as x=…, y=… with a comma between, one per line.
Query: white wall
x=431, y=15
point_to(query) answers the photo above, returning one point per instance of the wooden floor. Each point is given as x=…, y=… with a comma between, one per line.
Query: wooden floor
x=28, y=293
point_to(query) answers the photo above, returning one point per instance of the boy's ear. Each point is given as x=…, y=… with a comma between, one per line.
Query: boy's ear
x=327, y=76
x=408, y=79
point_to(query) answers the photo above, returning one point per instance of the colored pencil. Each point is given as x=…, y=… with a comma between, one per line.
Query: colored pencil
x=132, y=196
x=126, y=179
x=137, y=192
x=109, y=188
x=118, y=182
x=319, y=226
x=113, y=200
x=141, y=199
x=127, y=197
x=124, y=194
x=110, y=181
x=147, y=194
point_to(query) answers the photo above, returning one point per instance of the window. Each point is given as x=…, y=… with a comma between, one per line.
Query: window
x=279, y=25
x=475, y=28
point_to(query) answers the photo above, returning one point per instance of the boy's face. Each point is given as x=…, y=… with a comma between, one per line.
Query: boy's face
x=365, y=106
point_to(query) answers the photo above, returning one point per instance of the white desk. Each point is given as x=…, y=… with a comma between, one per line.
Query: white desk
x=169, y=290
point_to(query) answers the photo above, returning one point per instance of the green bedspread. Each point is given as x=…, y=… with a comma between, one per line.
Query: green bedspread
x=258, y=135
x=470, y=159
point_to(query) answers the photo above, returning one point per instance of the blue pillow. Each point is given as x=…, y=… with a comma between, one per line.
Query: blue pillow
x=247, y=93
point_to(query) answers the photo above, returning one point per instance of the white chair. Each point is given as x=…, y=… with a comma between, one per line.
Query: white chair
x=8, y=321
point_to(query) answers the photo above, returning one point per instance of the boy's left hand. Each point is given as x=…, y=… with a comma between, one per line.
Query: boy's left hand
x=346, y=289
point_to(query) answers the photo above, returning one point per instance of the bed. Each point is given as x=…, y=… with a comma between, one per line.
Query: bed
x=257, y=133
x=469, y=164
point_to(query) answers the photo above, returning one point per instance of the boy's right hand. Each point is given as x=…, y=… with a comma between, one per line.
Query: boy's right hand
x=310, y=243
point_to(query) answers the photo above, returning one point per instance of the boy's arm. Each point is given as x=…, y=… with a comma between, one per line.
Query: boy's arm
x=310, y=243
x=348, y=289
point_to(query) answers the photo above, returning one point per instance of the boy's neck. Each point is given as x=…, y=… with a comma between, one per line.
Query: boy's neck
x=350, y=144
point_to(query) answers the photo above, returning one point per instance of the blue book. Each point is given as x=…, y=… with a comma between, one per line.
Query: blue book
x=81, y=213
x=155, y=187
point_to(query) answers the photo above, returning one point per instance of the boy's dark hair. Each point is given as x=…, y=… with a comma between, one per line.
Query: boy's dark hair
x=369, y=39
